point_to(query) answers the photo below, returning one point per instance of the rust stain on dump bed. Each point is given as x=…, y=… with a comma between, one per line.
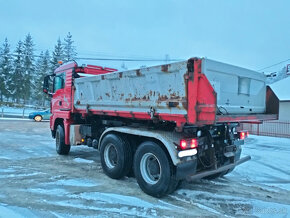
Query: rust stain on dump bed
x=184, y=103
x=162, y=97
x=174, y=96
x=164, y=68
x=138, y=72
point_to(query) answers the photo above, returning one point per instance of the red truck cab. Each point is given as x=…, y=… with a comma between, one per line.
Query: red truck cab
x=62, y=90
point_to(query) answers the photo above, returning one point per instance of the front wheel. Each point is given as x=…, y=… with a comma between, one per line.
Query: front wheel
x=154, y=171
x=61, y=147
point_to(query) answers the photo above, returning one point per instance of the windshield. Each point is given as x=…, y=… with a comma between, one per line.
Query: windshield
x=58, y=82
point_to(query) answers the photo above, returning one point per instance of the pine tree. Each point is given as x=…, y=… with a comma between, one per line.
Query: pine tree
x=57, y=55
x=15, y=82
x=38, y=70
x=42, y=69
x=5, y=69
x=29, y=67
x=69, y=49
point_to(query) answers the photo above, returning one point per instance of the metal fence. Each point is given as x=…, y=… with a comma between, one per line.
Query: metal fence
x=19, y=113
x=277, y=128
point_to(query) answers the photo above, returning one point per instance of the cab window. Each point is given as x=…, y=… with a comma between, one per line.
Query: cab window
x=58, y=82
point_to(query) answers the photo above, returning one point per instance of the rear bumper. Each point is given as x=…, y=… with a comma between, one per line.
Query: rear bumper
x=219, y=170
x=250, y=118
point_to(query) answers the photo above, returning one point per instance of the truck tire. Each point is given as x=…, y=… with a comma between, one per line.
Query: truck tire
x=153, y=170
x=116, y=156
x=61, y=147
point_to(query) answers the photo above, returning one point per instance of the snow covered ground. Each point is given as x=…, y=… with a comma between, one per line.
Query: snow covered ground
x=36, y=182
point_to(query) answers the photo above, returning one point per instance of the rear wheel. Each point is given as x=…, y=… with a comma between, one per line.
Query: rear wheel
x=37, y=118
x=153, y=170
x=116, y=156
x=61, y=147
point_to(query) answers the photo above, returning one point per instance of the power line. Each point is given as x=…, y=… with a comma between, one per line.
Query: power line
x=124, y=59
x=274, y=65
x=103, y=59
x=113, y=55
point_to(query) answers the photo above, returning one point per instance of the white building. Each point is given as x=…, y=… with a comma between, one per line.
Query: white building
x=282, y=91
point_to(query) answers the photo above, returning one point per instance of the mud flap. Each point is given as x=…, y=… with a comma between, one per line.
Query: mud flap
x=185, y=169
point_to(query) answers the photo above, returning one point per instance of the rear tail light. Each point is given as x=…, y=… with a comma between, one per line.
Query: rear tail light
x=183, y=144
x=243, y=135
x=193, y=143
x=188, y=143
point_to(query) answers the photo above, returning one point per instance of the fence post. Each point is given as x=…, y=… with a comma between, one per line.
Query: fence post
x=23, y=113
x=258, y=129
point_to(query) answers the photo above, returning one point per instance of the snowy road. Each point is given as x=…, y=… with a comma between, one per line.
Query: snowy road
x=36, y=182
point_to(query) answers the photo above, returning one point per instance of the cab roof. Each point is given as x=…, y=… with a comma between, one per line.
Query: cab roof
x=85, y=68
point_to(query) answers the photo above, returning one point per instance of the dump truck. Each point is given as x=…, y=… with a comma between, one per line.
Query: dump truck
x=161, y=124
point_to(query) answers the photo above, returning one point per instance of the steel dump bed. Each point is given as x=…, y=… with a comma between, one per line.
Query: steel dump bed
x=196, y=92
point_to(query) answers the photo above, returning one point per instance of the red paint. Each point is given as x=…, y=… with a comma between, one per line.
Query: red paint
x=96, y=70
x=201, y=97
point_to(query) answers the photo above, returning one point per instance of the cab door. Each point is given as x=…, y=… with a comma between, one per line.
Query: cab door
x=61, y=100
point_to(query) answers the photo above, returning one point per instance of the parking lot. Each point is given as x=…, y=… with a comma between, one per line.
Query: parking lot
x=36, y=182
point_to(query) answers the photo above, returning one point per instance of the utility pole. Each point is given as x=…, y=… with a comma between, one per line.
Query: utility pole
x=167, y=58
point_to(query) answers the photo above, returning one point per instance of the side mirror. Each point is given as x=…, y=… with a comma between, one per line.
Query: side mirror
x=46, y=85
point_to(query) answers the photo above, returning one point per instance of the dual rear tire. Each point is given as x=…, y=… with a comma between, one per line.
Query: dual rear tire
x=116, y=156
x=153, y=169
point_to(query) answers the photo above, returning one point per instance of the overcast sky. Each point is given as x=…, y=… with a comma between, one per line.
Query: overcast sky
x=249, y=33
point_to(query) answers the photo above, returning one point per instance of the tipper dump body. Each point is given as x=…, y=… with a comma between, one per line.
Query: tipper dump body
x=194, y=92
x=163, y=124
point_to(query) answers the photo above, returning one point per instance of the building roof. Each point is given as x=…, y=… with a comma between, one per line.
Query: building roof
x=281, y=89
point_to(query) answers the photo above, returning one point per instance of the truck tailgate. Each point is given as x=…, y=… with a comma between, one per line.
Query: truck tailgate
x=239, y=90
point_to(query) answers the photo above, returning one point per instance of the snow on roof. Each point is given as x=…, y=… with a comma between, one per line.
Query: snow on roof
x=282, y=89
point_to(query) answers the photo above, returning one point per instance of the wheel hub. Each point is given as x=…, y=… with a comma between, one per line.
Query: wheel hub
x=110, y=156
x=150, y=168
